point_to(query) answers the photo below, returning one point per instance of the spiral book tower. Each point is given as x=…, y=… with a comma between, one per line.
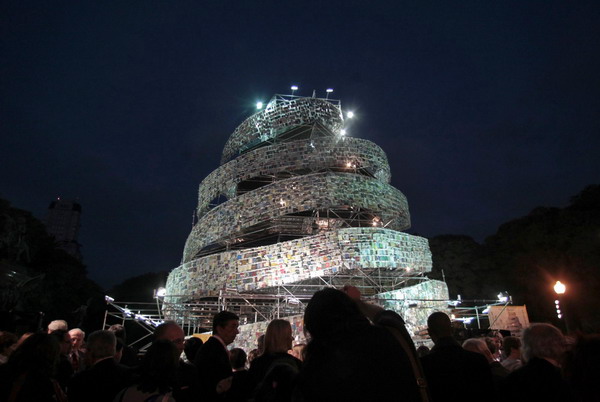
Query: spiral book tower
x=294, y=201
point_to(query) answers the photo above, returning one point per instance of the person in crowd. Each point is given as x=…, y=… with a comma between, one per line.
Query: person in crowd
x=8, y=341
x=241, y=385
x=57, y=324
x=480, y=345
x=348, y=359
x=22, y=338
x=186, y=387
x=450, y=370
x=278, y=341
x=119, y=350
x=104, y=377
x=492, y=343
x=191, y=347
x=540, y=378
x=28, y=374
x=158, y=372
x=298, y=351
x=511, y=349
x=254, y=353
x=77, y=355
x=422, y=350
x=129, y=356
x=260, y=344
x=64, y=370
x=583, y=368
x=212, y=360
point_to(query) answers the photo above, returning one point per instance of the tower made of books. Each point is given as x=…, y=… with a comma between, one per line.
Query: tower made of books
x=297, y=203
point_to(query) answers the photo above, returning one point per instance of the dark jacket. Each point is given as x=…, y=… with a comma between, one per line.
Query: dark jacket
x=538, y=380
x=212, y=362
x=451, y=371
x=364, y=363
x=101, y=382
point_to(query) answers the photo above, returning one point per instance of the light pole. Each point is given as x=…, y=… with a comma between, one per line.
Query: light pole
x=560, y=289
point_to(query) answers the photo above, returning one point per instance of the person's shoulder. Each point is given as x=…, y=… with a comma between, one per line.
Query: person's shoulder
x=187, y=368
x=211, y=344
x=290, y=359
x=476, y=358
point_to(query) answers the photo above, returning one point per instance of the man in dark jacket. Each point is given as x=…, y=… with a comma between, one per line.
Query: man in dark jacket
x=212, y=360
x=105, y=377
x=453, y=373
x=540, y=378
x=186, y=388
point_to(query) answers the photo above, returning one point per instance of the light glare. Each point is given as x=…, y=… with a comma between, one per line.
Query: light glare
x=259, y=105
x=350, y=115
x=559, y=287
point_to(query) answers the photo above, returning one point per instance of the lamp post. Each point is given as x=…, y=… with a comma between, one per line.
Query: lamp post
x=560, y=289
x=159, y=293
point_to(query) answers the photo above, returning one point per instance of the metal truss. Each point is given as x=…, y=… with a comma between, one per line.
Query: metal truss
x=282, y=301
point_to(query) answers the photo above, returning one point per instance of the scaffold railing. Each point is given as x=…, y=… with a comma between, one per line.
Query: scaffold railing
x=196, y=316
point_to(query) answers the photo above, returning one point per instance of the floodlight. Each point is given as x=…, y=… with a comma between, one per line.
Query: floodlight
x=294, y=87
x=350, y=114
x=161, y=292
x=259, y=105
x=343, y=132
x=329, y=90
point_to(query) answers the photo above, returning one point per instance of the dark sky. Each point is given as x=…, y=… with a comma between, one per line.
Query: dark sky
x=485, y=109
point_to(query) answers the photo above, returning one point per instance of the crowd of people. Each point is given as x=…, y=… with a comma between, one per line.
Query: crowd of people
x=356, y=352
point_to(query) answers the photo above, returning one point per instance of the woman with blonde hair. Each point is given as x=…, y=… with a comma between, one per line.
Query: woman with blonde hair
x=273, y=373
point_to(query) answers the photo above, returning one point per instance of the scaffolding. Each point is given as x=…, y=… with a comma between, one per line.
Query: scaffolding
x=195, y=316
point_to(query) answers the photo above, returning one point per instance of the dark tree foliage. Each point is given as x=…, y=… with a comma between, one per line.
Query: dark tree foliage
x=36, y=275
x=527, y=255
x=139, y=288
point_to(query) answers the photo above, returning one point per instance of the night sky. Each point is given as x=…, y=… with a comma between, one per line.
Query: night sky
x=485, y=109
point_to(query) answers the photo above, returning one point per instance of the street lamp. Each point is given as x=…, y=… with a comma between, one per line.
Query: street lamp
x=159, y=293
x=560, y=289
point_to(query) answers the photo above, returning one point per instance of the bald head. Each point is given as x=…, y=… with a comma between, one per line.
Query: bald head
x=171, y=331
x=439, y=326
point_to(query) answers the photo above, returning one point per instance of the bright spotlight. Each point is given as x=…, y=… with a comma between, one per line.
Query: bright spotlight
x=350, y=115
x=294, y=88
x=329, y=90
x=259, y=105
x=343, y=132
